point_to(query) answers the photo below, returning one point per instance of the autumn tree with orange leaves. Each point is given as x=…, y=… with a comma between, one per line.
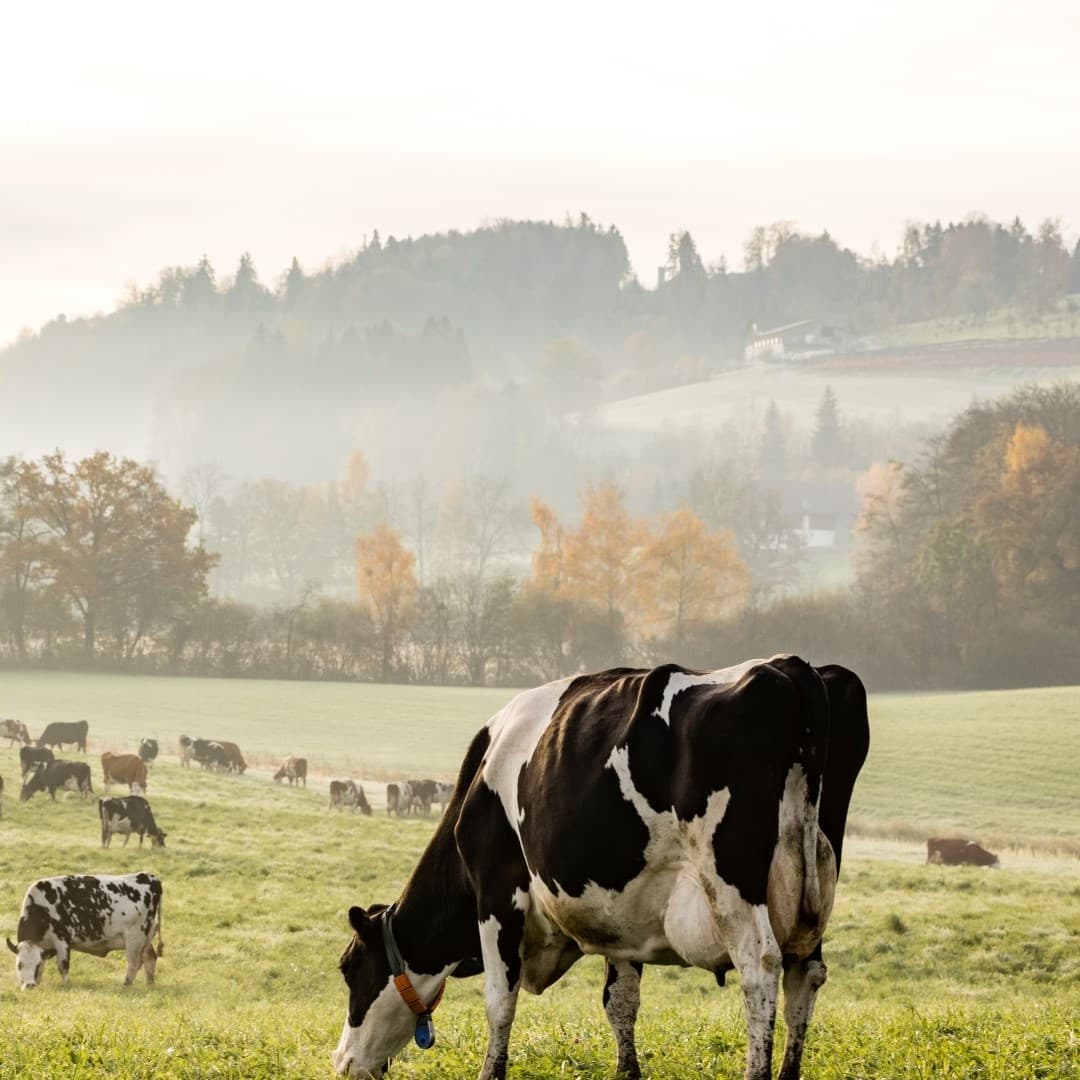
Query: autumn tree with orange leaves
x=640, y=580
x=386, y=582
x=690, y=575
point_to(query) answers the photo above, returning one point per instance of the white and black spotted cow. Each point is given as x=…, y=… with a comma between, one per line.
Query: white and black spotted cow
x=94, y=914
x=661, y=817
x=126, y=815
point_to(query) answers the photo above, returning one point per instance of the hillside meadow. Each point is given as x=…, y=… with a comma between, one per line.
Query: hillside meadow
x=933, y=971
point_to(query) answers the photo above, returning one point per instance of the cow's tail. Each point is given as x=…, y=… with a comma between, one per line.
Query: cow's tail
x=813, y=746
x=160, y=941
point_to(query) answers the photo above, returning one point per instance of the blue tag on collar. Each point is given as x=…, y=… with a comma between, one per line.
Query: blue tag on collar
x=425, y=1031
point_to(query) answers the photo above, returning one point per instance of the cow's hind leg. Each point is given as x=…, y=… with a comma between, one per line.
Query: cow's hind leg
x=133, y=948
x=149, y=957
x=622, y=996
x=757, y=959
x=802, y=981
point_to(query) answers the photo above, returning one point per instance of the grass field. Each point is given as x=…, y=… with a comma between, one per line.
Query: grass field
x=934, y=972
x=886, y=398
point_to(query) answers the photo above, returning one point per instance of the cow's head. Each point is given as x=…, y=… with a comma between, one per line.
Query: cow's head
x=279, y=775
x=29, y=962
x=157, y=839
x=34, y=782
x=378, y=1022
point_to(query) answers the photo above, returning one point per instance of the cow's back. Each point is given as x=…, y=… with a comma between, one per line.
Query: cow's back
x=630, y=752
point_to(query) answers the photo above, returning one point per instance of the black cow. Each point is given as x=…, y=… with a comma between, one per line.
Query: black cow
x=665, y=816
x=30, y=757
x=74, y=775
x=131, y=814
x=90, y=914
x=148, y=750
x=58, y=732
x=210, y=754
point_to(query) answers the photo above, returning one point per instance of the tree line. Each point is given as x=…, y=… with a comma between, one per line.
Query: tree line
x=968, y=574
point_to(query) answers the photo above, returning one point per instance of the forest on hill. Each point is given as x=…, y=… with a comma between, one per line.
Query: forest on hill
x=434, y=351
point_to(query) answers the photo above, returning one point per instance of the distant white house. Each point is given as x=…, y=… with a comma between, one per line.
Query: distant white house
x=822, y=513
x=793, y=341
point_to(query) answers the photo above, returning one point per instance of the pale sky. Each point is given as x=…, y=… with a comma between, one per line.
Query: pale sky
x=136, y=136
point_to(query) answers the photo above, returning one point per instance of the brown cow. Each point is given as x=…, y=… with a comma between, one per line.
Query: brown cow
x=293, y=769
x=234, y=759
x=127, y=769
x=954, y=851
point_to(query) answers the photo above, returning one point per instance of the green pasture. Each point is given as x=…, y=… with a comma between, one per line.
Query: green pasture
x=1000, y=766
x=933, y=971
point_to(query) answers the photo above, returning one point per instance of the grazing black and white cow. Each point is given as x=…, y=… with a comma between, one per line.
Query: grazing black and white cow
x=30, y=757
x=419, y=795
x=72, y=775
x=442, y=794
x=59, y=732
x=210, y=754
x=348, y=793
x=14, y=731
x=90, y=914
x=128, y=815
x=665, y=817
x=148, y=750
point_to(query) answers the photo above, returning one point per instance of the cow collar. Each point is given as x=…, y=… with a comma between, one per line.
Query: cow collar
x=425, y=1026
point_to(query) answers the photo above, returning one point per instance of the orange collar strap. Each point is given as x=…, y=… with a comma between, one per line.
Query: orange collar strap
x=397, y=968
x=412, y=998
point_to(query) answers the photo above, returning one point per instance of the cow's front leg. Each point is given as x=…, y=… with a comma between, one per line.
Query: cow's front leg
x=757, y=959
x=622, y=996
x=63, y=960
x=802, y=981
x=501, y=936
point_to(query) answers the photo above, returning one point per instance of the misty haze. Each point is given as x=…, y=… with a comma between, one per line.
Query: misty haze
x=491, y=498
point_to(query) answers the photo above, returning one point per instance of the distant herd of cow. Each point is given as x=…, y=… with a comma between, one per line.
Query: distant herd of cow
x=42, y=771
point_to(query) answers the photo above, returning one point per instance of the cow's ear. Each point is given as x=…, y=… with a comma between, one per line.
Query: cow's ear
x=359, y=921
x=10, y=946
x=467, y=968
